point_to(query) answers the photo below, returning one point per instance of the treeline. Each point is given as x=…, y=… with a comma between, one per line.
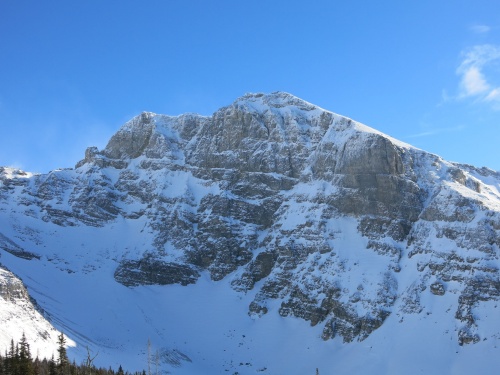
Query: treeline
x=19, y=361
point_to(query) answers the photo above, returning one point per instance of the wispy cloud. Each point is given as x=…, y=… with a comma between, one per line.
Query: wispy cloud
x=494, y=95
x=435, y=131
x=474, y=82
x=480, y=29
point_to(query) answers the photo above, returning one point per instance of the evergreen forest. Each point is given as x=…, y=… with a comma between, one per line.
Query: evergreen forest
x=18, y=360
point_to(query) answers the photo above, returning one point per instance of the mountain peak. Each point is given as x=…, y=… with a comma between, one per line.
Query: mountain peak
x=277, y=131
x=277, y=99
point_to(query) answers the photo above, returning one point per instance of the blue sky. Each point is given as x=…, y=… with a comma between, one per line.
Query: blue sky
x=72, y=72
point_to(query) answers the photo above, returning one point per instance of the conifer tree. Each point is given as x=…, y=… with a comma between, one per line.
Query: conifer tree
x=36, y=367
x=12, y=359
x=52, y=366
x=73, y=368
x=11, y=355
x=1, y=365
x=63, y=361
x=25, y=360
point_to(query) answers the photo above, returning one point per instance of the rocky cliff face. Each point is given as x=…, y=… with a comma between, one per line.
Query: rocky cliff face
x=17, y=310
x=331, y=221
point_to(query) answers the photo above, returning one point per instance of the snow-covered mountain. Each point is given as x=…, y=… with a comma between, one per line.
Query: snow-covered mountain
x=273, y=237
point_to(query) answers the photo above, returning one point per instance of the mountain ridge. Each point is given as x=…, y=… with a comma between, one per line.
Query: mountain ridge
x=302, y=213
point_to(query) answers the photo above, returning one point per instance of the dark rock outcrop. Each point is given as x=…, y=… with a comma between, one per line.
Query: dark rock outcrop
x=150, y=271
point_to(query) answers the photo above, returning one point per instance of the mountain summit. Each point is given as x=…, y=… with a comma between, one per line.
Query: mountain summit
x=272, y=237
